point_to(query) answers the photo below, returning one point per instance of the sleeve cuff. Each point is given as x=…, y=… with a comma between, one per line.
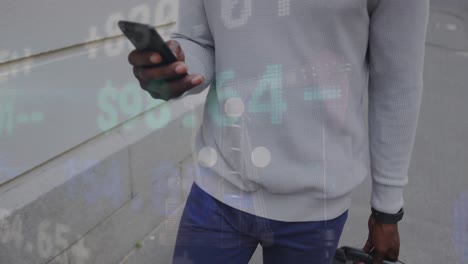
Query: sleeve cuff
x=386, y=199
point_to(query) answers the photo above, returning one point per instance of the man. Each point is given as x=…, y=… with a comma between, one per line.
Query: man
x=284, y=138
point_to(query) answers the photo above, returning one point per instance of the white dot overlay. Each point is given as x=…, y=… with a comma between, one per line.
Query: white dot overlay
x=234, y=107
x=207, y=157
x=261, y=157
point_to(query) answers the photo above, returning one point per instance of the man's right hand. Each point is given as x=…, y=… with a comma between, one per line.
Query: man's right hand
x=163, y=81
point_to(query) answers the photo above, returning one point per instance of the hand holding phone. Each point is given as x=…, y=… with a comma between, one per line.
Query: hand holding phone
x=159, y=66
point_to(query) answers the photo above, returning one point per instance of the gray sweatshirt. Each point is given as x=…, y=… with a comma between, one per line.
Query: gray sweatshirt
x=286, y=131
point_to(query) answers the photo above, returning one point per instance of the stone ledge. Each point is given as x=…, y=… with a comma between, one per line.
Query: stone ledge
x=105, y=190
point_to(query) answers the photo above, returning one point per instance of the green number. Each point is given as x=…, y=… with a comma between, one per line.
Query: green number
x=164, y=117
x=130, y=101
x=106, y=95
x=221, y=93
x=189, y=121
x=6, y=117
x=270, y=82
x=129, y=92
x=37, y=117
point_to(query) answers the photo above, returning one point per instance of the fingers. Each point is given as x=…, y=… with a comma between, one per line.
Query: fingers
x=387, y=254
x=378, y=257
x=368, y=246
x=170, y=71
x=392, y=255
x=151, y=58
x=165, y=90
x=176, y=49
x=161, y=80
x=144, y=58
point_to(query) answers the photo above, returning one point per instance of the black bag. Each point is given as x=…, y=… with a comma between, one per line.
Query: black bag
x=350, y=255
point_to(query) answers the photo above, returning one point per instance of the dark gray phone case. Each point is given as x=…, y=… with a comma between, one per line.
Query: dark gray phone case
x=146, y=38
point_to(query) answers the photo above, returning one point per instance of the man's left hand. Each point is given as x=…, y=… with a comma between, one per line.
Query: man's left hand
x=383, y=240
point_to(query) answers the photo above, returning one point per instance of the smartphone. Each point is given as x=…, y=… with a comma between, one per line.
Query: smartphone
x=145, y=38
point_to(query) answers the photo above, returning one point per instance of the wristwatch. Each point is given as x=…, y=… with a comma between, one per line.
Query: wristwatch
x=385, y=218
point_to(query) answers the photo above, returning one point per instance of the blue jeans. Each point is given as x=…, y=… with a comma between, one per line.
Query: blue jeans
x=211, y=232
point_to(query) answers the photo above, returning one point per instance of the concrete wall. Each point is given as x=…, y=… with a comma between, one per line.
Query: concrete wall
x=64, y=75
x=89, y=163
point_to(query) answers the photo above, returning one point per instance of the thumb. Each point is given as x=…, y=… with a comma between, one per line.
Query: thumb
x=176, y=49
x=368, y=246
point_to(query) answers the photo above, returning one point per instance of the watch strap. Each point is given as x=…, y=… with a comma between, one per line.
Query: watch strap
x=386, y=218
